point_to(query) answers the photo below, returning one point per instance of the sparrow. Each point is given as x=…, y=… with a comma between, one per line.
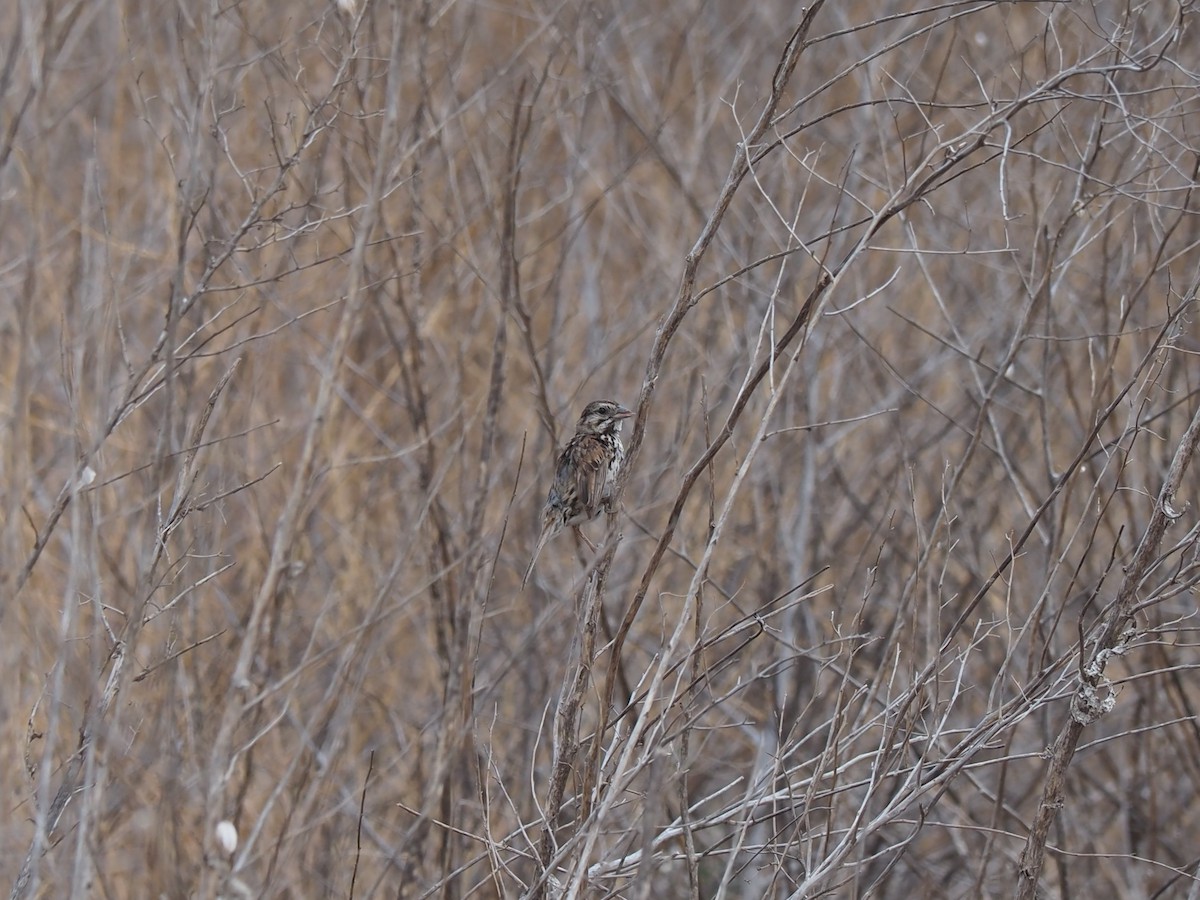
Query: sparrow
x=584, y=474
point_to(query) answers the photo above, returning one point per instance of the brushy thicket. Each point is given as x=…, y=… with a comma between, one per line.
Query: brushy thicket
x=299, y=303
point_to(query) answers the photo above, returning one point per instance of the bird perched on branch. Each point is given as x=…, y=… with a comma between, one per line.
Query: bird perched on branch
x=584, y=474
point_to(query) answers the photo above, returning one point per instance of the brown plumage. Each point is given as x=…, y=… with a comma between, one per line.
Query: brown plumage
x=584, y=474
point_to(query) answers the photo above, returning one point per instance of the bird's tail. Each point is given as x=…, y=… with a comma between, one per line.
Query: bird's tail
x=542, y=538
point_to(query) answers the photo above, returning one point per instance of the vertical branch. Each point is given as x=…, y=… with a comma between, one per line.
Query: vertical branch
x=223, y=753
x=1092, y=697
x=685, y=300
x=566, y=731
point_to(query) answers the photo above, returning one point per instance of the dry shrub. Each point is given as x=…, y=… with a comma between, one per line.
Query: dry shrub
x=300, y=303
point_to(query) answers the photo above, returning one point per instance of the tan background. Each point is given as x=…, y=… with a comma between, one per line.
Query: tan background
x=417, y=243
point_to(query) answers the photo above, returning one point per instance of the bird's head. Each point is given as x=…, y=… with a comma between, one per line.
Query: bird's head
x=602, y=417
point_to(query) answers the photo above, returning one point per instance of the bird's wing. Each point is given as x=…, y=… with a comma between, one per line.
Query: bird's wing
x=588, y=460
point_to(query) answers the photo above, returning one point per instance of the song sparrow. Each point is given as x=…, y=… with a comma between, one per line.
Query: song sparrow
x=584, y=473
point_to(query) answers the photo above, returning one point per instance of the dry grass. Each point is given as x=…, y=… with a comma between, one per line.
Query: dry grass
x=314, y=299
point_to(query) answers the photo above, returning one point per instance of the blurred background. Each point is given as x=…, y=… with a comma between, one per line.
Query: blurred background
x=298, y=302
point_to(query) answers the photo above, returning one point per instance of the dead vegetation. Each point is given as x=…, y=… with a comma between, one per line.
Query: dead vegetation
x=298, y=304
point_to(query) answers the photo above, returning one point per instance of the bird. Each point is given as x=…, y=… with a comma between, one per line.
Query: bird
x=584, y=474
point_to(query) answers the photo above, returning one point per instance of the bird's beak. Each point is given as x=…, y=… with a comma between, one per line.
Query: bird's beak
x=622, y=413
